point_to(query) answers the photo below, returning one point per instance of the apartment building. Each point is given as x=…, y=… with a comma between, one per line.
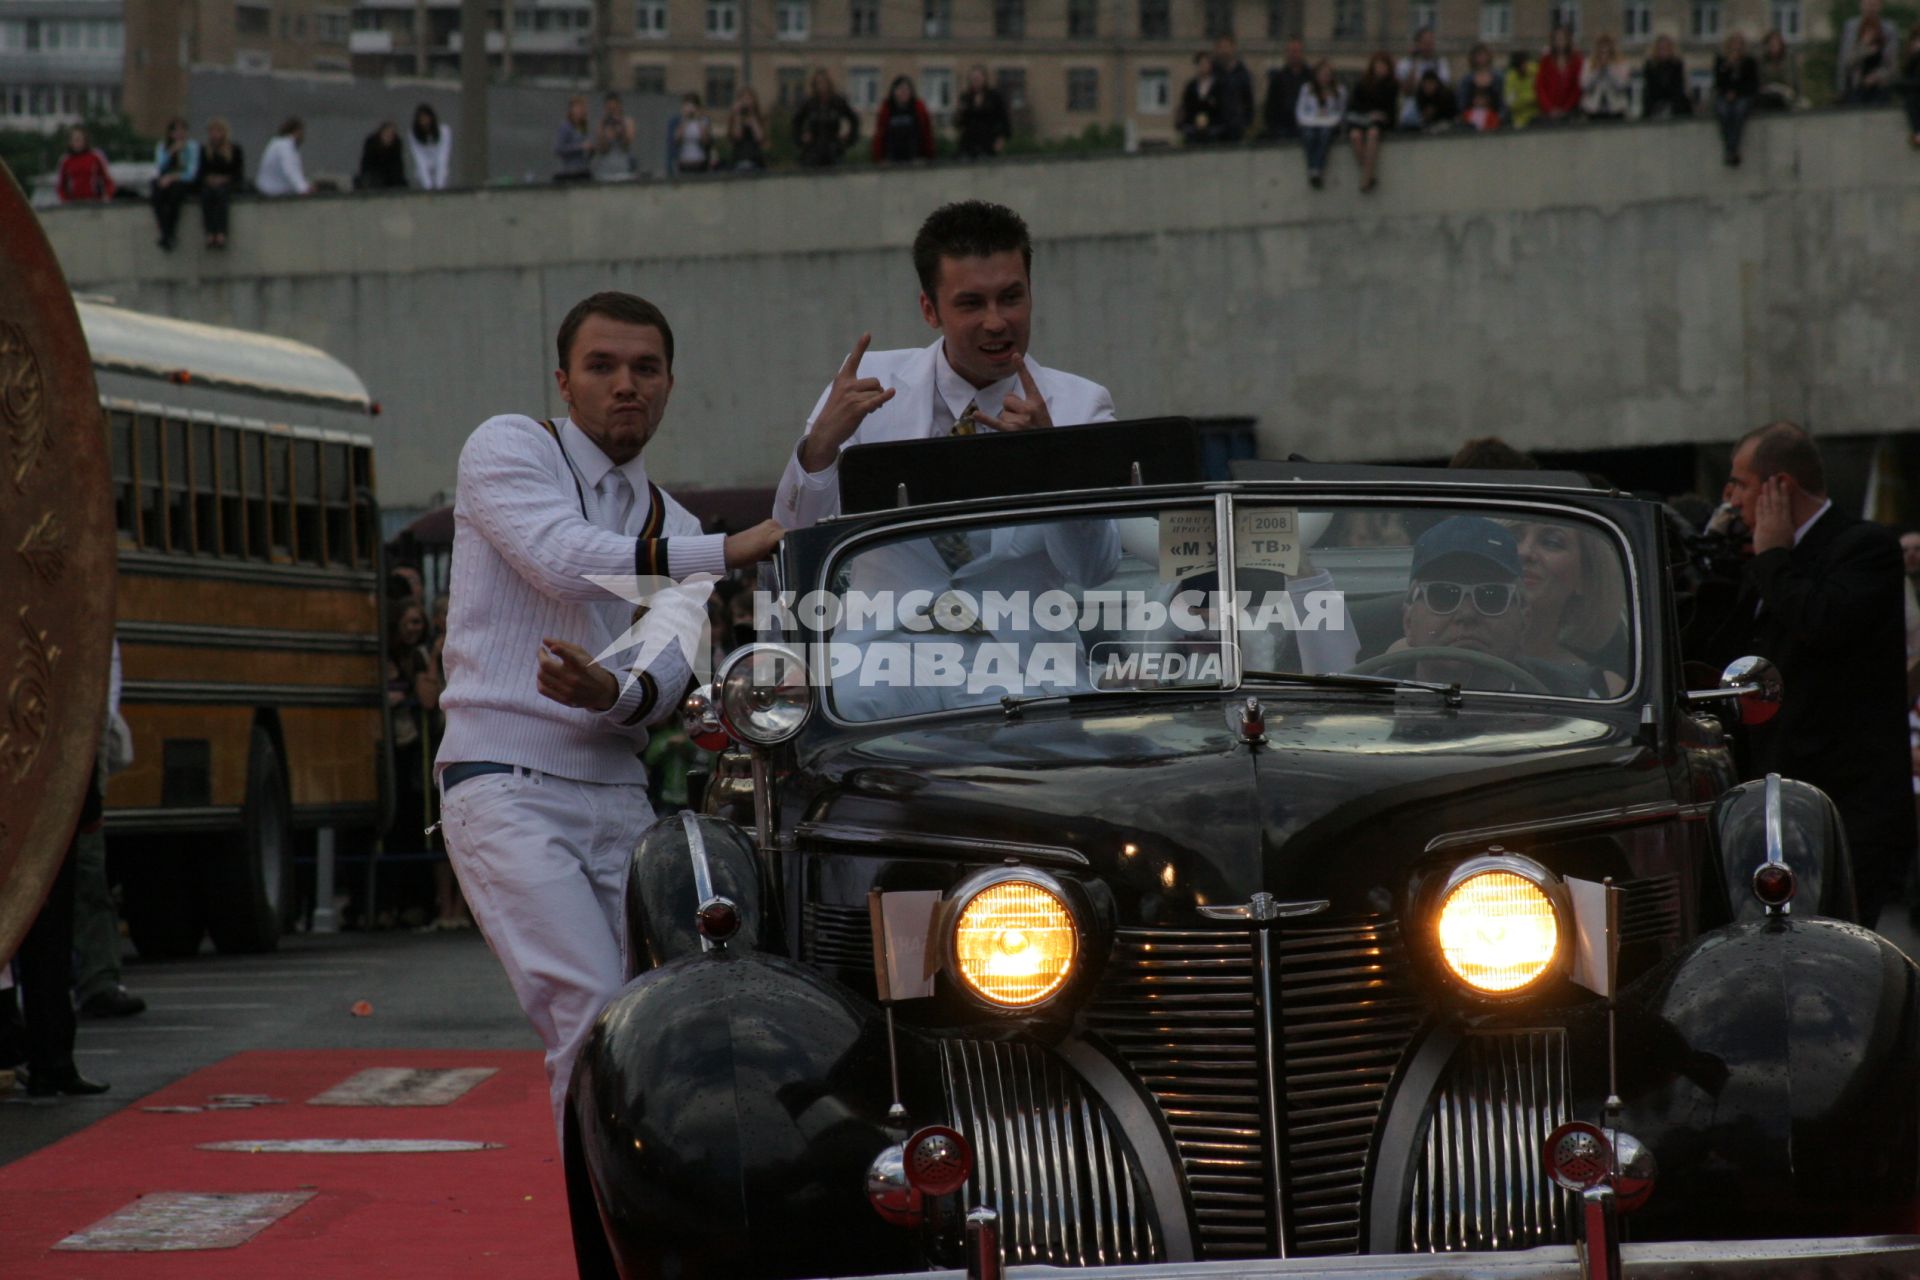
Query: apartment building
x=547, y=41
x=168, y=38
x=59, y=61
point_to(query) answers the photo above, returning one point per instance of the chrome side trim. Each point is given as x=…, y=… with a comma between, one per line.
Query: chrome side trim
x=1270, y=1081
x=1776, y=829
x=223, y=693
x=216, y=636
x=1632, y=815
x=162, y=818
x=162, y=564
x=968, y=848
x=1267, y=907
x=702, y=873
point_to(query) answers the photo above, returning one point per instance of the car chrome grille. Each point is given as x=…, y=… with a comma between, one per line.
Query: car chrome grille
x=839, y=936
x=1347, y=1012
x=1046, y=1157
x=1479, y=1183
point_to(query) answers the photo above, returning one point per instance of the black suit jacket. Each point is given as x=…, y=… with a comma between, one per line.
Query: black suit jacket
x=1831, y=616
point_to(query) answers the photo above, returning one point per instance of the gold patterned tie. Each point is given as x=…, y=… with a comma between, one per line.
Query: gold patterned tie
x=967, y=424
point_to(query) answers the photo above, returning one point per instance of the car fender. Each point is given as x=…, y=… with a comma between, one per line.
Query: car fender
x=723, y=1114
x=1813, y=841
x=682, y=860
x=1771, y=1072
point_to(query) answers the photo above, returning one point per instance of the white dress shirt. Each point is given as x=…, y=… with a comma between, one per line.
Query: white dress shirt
x=280, y=172
x=534, y=521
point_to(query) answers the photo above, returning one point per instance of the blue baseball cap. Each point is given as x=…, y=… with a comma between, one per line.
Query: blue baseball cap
x=1470, y=536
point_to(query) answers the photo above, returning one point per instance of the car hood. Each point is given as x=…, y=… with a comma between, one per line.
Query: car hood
x=1174, y=812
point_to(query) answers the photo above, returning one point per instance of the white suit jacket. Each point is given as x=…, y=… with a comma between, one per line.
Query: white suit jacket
x=805, y=498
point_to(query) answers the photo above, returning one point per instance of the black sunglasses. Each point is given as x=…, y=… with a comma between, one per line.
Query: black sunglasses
x=1491, y=598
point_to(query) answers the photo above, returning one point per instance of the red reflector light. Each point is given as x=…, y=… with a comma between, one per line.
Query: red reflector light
x=717, y=919
x=938, y=1160
x=1774, y=884
x=1578, y=1156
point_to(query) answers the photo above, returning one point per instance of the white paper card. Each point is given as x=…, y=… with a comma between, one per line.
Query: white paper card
x=1594, y=909
x=1267, y=538
x=904, y=957
x=1187, y=543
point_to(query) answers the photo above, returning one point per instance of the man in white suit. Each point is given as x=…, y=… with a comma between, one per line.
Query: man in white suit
x=975, y=261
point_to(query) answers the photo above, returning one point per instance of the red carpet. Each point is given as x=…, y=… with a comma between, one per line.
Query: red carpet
x=481, y=1214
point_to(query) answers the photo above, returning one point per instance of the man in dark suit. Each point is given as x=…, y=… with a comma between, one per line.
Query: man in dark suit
x=1821, y=598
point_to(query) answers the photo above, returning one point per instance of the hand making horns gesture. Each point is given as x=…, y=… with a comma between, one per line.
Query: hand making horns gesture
x=850, y=399
x=1019, y=413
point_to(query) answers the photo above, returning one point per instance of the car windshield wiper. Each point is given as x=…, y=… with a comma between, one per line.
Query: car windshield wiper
x=1013, y=705
x=1449, y=693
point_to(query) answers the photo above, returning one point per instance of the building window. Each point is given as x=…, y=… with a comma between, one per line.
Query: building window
x=720, y=83
x=792, y=19
x=252, y=20
x=790, y=86
x=649, y=79
x=1009, y=19
x=1423, y=15
x=864, y=18
x=330, y=27
x=936, y=89
x=1706, y=19
x=1636, y=20
x=1349, y=19
x=863, y=88
x=649, y=19
x=1565, y=13
x=1219, y=18
x=1788, y=19
x=1083, y=89
x=936, y=18
x=1083, y=19
x=1280, y=23
x=1153, y=92
x=1156, y=20
x=1012, y=84
x=1496, y=19
x=723, y=19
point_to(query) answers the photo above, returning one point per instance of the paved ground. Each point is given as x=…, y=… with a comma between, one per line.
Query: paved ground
x=432, y=991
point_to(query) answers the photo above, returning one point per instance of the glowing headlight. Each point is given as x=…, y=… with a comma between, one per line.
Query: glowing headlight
x=764, y=695
x=1014, y=943
x=1499, y=931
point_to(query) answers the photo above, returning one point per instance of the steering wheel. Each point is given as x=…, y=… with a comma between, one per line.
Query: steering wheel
x=1524, y=680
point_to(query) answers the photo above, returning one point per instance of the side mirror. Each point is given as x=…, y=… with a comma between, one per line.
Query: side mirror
x=1754, y=683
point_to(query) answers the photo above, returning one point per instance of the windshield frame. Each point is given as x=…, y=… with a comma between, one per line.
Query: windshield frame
x=1225, y=496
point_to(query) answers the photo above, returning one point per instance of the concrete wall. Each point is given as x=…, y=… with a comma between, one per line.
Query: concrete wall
x=1578, y=288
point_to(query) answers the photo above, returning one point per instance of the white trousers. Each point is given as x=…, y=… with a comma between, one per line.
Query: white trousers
x=543, y=863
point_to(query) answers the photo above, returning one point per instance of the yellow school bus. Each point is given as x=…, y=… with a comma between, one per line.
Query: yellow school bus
x=249, y=621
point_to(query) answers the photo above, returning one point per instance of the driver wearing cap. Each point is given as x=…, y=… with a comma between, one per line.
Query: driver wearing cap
x=1464, y=595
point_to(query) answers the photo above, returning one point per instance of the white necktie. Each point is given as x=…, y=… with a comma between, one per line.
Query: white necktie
x=617, y=504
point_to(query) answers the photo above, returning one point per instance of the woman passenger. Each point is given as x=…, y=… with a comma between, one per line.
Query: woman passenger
x=1575, y=600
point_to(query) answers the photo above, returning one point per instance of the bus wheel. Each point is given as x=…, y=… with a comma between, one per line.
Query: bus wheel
x=249, y=880
x=163, y=910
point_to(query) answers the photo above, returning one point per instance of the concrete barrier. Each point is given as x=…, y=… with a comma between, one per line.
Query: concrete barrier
x=1583, y=287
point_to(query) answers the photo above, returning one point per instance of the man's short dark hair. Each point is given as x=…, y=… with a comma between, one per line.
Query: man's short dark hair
x=1491, y=453
x=967, y=229
x=1783, y=447
x=624, y=307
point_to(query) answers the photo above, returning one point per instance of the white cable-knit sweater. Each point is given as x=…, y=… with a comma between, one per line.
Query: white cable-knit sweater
x=523, y=553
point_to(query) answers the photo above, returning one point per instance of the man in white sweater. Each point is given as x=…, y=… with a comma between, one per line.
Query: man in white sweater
x=543, y=789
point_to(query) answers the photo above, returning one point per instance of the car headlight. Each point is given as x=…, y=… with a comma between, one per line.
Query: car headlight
x=1499, y=924
x=1013, y=939
x=764, y=694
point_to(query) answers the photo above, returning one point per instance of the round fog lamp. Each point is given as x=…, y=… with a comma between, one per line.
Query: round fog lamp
x=1498, y=931
x=1014, y=943
x=764, y=698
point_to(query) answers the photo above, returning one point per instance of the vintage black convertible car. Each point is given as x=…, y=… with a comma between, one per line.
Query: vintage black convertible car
x=1306, y=851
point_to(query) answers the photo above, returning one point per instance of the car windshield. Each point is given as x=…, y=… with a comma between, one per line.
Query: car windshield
x=970, y=614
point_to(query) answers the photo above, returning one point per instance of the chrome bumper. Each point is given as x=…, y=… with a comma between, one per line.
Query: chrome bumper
x=1891, y=1257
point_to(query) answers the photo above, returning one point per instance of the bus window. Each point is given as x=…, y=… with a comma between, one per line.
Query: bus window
x=339, y=507
x=233, y=520
x=153, y=525
x=206, y=511
x=280, y=498
x=254, y=455
x=126, y=498
x=366, y=514
x=309, y=542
